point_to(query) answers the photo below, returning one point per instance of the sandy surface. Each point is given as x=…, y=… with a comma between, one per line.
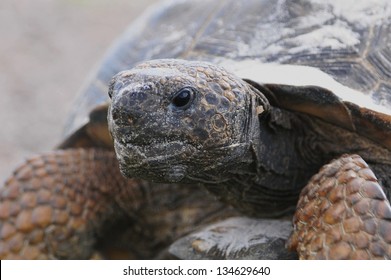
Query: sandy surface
x=47, y=49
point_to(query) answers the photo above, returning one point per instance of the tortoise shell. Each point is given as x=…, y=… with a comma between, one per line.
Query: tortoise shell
x=334, y=52
x=349, y=41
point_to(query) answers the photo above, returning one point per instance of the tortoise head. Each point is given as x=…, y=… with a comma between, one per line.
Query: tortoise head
x=176, y=120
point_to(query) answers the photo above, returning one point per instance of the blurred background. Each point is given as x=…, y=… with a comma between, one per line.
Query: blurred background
x=47, y=49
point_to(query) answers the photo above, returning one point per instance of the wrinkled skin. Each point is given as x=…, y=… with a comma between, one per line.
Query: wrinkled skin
x=193, y=122
x=200, y=139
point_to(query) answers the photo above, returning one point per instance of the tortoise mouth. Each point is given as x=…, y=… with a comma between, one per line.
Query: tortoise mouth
x=165, y=161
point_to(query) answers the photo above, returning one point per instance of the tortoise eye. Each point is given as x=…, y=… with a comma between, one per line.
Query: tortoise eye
x=183, y=98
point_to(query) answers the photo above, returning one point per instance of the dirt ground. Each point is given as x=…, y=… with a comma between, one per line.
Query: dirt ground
x=48, y=48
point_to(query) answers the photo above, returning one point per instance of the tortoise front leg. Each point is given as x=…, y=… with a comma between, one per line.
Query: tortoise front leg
x=343, y=213
x=67, y=204
x=52, y=206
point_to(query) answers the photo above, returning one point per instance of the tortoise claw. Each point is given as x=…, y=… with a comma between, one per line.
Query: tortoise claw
x=343, y=213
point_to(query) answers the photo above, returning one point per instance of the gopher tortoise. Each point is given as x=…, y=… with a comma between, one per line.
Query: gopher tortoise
x=234, y=116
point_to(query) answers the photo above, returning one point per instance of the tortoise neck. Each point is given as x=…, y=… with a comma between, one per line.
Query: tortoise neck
x=284, y=151
x=268, y=179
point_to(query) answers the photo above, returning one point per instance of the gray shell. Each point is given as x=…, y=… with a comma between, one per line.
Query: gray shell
x=350, y=40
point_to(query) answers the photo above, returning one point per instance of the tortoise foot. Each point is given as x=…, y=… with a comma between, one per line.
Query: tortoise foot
x=343, y=213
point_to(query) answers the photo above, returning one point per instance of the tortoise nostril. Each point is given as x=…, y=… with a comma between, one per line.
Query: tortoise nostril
x=123, y=116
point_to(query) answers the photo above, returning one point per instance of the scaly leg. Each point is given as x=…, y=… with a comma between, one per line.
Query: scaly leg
x=343, y=213
x=62, y=205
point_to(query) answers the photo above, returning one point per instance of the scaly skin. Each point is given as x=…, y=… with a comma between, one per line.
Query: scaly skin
x=343, y=213
x=72, y=204
x=224, y=134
